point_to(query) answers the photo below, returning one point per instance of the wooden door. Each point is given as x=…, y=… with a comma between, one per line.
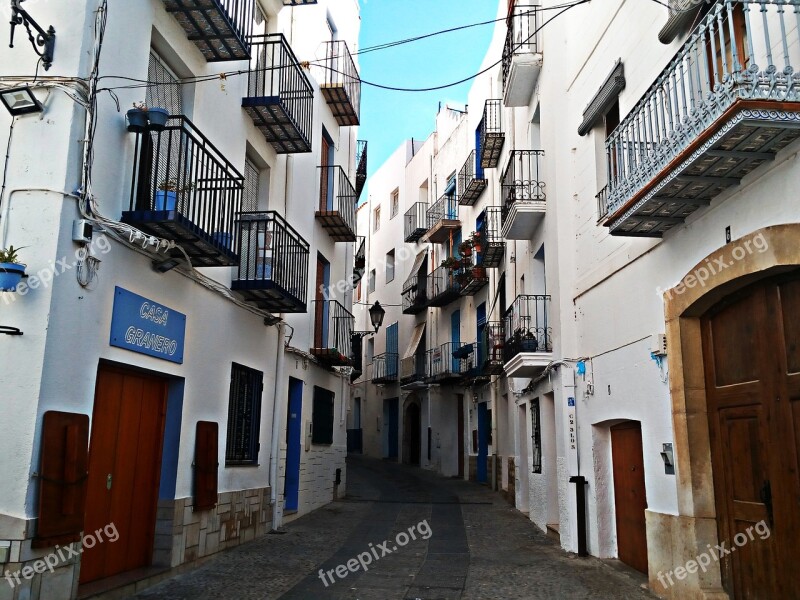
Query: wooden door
x=325, y=176
x=751, y=355
x=320, y=305
x=124, y=470
x=630, y=499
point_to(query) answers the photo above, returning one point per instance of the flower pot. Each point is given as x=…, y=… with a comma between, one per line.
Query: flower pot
x=10, y=275
x=478, y=273
x=137, y=120
x=158, y=118
x=465, y=250
x=224, y=239
x=165, y=200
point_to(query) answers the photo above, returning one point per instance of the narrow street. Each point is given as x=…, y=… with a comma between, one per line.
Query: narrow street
x=478, y=547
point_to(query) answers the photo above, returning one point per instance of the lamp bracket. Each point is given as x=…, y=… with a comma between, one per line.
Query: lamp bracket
x=46, y=40
x=10, y=330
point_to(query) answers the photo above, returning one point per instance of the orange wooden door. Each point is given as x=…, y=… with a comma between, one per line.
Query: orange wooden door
x=319, y=306
x=124, y=470
x=751, y=346
x=629, y=494
x=325, y=176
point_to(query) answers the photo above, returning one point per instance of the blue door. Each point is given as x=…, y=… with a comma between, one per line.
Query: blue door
x=294, y=432
x=483, y=441
x=478, y=152
x=391, y=350
x=481, y=312
x=455, y=337
x=391, y=419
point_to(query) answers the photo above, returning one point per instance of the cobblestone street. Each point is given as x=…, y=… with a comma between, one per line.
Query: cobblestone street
x=478, y=547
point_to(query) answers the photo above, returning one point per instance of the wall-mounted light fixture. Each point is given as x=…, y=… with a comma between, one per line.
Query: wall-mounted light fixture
x=669, y=459
x=376, y=315
x=20, y=101
x=46, y=40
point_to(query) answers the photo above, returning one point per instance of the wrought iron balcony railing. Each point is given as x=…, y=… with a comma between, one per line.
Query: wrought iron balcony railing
x=361, y=166
x=340, y=83
x=492, y=246
x=522, y=194
x=491, y=348
x=337, y=204
x=443, y=286
x=471, y=277
x=471, y=181
x=521, y=47
x=723, y=105
x=219, y=28
x=527, y=326
x=414, y=369
x=442, y=219
x=385, y=368
x=491, y=134
x=273, y=263
x=451, y=362
x=602, y=203
x=184, y=189
x=416, y=222
x=333, y=330
x=415, y=294
x=280, y=99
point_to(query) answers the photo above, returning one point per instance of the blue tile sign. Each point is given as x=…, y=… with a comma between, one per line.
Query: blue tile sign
x=146, y=327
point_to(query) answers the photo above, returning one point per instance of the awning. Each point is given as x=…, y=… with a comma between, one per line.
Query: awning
x=416, y=337
x=415, y=270
x=604, y=98
x=681, y=17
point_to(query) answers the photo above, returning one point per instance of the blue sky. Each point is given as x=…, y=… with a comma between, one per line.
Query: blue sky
x=388, y=117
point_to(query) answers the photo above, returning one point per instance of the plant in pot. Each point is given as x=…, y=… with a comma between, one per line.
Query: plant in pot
x=166, y=197
x=479, y=272
x=11, y=269
x=465, y=248
x=451, y=263
x=137, y=118
x=157, y=117
x=475, y=241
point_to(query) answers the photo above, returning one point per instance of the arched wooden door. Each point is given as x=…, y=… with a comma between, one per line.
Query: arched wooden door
x=751, y=355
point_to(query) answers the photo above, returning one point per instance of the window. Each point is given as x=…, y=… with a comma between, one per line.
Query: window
x=395, y=204
x=322, y=417
x=244, y=416
x=370, y=350
x=376, y=219
x=390, y=266
x=251, y=187
x=164, y=91
x=536, y=436
x=371, y=282
x=358, y=292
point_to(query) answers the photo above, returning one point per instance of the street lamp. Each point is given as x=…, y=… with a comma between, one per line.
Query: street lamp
x=376, y=314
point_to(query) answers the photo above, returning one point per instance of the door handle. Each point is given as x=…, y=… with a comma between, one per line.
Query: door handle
x=109, y=480
x=766, y=498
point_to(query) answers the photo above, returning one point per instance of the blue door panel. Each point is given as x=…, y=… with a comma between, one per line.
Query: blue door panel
x=294, y=433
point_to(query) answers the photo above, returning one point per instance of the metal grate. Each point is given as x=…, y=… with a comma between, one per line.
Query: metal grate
x=164, y=90
x=244, y=415
x=251, y=191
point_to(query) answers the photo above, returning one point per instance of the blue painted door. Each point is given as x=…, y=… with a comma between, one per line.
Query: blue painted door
x=391, y=350
x=455, y=337
x=478, y=152
x=294, y=434
x=391, y=420
x=481, y=312
x=483, y=442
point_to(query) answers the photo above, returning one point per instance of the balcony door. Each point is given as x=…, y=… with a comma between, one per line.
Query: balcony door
x=455, y=338
x=391, y=350
x=322, y=306
x=481, y=319
x=327, y=175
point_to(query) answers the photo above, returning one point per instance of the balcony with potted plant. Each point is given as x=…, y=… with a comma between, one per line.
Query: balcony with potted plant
x=527, y=349
x=472, y=274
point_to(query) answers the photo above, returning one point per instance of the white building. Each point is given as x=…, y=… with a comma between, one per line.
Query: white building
x=171, y=336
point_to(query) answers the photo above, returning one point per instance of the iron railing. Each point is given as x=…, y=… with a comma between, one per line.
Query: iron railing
x=701, y=82
x=522, y=36
x=385, y=367
x=276, y=79
x=342, y=84
x=219, y=28
x=180, y=173
x=522, y=179
x=471, y=181
x=491, y=133
x=602, y=203
x=337, y=195
x=443, y=286
x=452, y=360
x=414, y=368
x=491, y=348
x=445, y=208
x=527, y=326
x=471, y=276
x=415, y=294
x=491, y=241
x=415, y=221
x=272, y=254
x=361, y=166
x=333, y=329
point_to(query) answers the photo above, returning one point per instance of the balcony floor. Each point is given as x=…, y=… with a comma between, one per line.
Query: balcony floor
x=209, y=27
x=274, y=121
x=331, y=357
x=341, y=106
x=336, y=226
x=492, y=255
x=474, y=190
x=268, y=295
x=384, y=380
x=527, y=364
x=492, y=367
x=440, y=232
x=416, y=235
x=417, y=382
x=493, y=147
x=415, y=309
x=202, y=248
x=745, y=137
x=522, y=77
x=474, y=285
x=522, y=218
x=445, y=297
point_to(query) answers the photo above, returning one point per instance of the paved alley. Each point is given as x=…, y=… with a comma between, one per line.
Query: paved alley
x=477, y=547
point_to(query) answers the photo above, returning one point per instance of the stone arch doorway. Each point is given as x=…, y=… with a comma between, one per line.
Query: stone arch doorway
x=736, y=416
x=412, y=432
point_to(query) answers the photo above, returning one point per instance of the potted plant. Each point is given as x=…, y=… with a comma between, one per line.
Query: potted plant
x=166, y=197
x=451, y=263
x=137, y=118
x=479, y=272
x=157, y=117
x=11, y=269
x=475, y=241
x=465, y=248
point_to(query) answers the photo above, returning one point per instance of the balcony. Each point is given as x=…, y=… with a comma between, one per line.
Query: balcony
x=333, y=330
x=471, y=277
x=522, y=56
x=528, y=346
x=280, y=99
x=185, y=190
x=491, y=348
x=273, y=263
x=491, y=134
x=340, y=84
x=492, y=244
x=360, y=260
x=443, y=287
x=414, y=371
x=451, y=363
x=384, y=368
x=219, y=28
x=710, y=118
x=361, y=167
x=471, y=181
x=415, y=294
x=337, y=204
x=522, y=194
x=416, y=222
x=442, y=220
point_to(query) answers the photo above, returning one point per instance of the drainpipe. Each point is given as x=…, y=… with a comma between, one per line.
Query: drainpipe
x=277, y=419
